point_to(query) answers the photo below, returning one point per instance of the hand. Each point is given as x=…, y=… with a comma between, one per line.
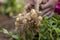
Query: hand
x=49, y=12
x=3, y=1
x=50, y=3
x=48, y=8
x=33, y=4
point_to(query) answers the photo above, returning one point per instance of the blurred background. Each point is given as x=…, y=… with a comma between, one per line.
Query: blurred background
x=11, y=7
x=8, y=9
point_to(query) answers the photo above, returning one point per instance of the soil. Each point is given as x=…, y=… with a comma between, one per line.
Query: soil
x=7, y=23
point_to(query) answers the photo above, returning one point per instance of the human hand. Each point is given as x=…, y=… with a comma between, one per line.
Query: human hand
x=3, y=1
x=32, y=4
x=48, y=8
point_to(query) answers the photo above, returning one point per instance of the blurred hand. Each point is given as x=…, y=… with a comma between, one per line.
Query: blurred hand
x=48, y=8
x=32, y=4
x=3, y=1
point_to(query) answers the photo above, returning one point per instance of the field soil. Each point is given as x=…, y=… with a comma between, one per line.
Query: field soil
x=7, y=23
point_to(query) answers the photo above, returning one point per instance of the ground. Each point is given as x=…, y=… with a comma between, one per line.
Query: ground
x=5, y=23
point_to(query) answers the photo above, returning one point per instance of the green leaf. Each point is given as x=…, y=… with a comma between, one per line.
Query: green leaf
x=17, y=37
x=5, y=31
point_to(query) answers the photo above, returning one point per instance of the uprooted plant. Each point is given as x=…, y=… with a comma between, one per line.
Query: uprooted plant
x=28, y=22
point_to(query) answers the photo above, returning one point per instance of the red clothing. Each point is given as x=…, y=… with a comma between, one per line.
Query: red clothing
x=57, y=9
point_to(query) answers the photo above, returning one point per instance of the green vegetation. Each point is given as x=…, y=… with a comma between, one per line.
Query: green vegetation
x=49, y=29
x=11, y=7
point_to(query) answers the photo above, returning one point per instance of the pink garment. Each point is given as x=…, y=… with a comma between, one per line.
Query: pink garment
x=57, y=9
x=1, y=1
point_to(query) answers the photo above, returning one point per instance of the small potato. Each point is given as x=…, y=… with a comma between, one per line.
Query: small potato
x=19, y=14
x=17, y=19
x=25, y=21
x=16, y=23
x=40, y=18
x=33, y=13
x=28, y=16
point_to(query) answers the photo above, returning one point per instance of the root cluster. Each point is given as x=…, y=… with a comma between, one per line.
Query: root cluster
x=28, y=22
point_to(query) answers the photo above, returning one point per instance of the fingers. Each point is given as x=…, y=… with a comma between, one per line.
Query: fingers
x=48, y=4
x=44, y=6
x=44, y=1
x=51, y=14
x=46, y=10
x=47, y=14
